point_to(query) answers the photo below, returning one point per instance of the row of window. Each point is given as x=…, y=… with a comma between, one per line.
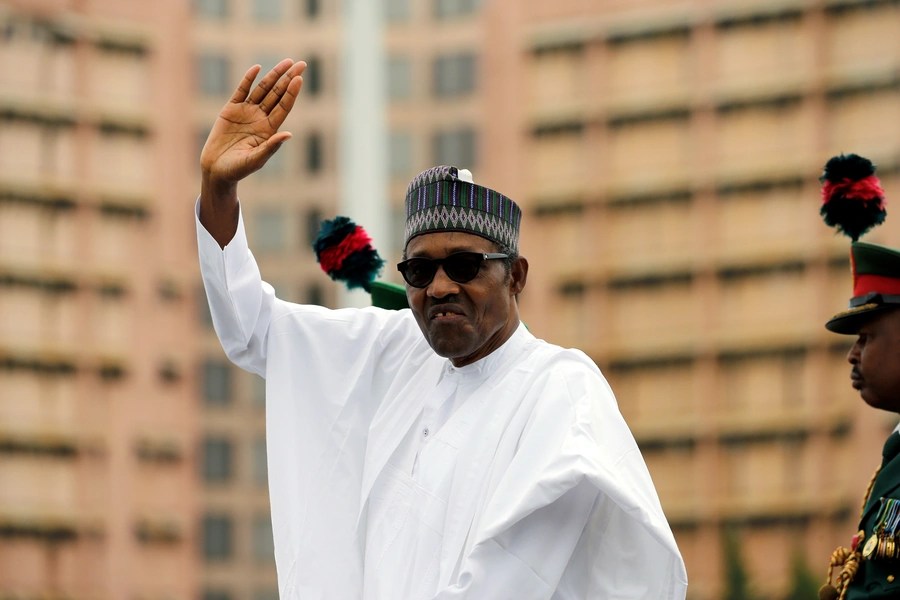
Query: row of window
x=270, y=11
x=452, y=75
x=262, y=11
x=218, y=460
x=312, y=161
x=218, y=538
x=221, y=594
x=215, y=75
x=456, y=146
x=217, y=381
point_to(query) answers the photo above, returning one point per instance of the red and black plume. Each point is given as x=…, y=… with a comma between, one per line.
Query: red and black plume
x=852, y=198
x=344, y=251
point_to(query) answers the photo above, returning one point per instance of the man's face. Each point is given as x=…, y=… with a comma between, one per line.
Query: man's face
x=876, y=361
x=465, y=321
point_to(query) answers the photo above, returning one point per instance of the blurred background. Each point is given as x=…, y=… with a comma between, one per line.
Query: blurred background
x=665, y=154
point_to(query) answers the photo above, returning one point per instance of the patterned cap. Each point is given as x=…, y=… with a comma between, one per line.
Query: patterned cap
x=446, y=199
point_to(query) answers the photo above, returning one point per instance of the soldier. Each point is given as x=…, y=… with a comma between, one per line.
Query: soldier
x=854, y=202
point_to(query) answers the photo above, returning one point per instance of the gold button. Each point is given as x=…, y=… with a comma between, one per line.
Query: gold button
x=890, y=578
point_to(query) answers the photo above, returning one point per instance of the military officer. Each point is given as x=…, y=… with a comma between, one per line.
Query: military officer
x=853, y=202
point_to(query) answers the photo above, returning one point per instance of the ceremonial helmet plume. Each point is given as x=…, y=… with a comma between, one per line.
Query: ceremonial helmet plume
x=853, y=202
x=852, y=198
x=344, y=251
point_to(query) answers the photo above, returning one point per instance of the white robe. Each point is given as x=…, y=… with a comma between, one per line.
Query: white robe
x=533, y=489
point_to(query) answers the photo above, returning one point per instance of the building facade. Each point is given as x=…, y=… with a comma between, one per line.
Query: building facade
x=667, y=165
x=283, y=206
x=97, y=336
x=665, y=155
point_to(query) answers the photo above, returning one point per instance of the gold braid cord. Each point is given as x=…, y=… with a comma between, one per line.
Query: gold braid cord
x=848, y=560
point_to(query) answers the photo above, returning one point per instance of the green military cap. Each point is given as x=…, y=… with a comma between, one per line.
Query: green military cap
x=876, y=285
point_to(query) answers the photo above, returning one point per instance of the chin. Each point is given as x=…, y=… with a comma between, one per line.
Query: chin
x=447, y=350
x=890, y=405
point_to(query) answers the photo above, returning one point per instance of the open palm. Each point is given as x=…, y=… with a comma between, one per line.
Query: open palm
x=245, y=134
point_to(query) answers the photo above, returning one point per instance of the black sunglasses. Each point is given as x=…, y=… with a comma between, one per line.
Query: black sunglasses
x=461, y=267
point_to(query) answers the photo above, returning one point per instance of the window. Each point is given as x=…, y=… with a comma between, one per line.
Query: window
x=259, y=392
x=314, y=158
x=400, y=155
x=312, y=8
x=449, y=9
x=398, y=228
x=214, y=74
x=203, y=314
x=267, y=62
x=313, y=221
x=263, y=542
x=260, y=464
x=399, y=76
x=274, y=167
x=455, y=147
x=266, y=11
x=217, y=533
x=281, y=291
x=212, y=9
x=454, y=75
x=216, y=383
x=396, y=11
x=315, y=294
x=268, y=229
x=202, y=134
x=312, y=80
x=216, y=459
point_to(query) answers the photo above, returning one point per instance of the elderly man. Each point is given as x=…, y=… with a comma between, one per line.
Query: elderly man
x=440, y=452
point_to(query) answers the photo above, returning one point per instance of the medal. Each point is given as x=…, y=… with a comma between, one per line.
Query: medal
x=870, y=546
x=882, y=543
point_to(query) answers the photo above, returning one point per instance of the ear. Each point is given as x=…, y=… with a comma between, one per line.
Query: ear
x=518, y=274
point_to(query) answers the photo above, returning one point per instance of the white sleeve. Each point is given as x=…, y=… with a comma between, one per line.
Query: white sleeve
x=527, y=561
x=239, y=301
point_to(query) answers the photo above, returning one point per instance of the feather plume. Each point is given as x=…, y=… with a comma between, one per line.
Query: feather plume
x=852, y=197
x=344, y=251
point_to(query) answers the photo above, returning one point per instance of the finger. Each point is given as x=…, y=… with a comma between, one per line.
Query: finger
x=269, y=81
x=243, y=88
x=274, y=97
x=284, y=106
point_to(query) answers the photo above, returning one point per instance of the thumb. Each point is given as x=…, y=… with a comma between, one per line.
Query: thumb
x=271, y=146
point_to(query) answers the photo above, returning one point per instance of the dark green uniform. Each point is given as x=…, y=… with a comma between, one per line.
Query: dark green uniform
x=879, y=578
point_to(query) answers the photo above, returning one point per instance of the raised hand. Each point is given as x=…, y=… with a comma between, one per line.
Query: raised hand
x=244, y=136
x=246, y=133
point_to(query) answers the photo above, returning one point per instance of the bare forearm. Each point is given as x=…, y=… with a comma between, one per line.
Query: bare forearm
x=219, y=209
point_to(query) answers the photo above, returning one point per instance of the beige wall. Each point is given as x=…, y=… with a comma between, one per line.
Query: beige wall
x=670, y=188
x=665, y=155
x=96, y=448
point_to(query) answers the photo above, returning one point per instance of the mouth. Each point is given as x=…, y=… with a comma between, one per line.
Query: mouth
x=445, y=313
x=856, y=380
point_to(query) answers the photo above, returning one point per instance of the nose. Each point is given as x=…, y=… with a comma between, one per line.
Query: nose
x=442, y=286
x=853, y=355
